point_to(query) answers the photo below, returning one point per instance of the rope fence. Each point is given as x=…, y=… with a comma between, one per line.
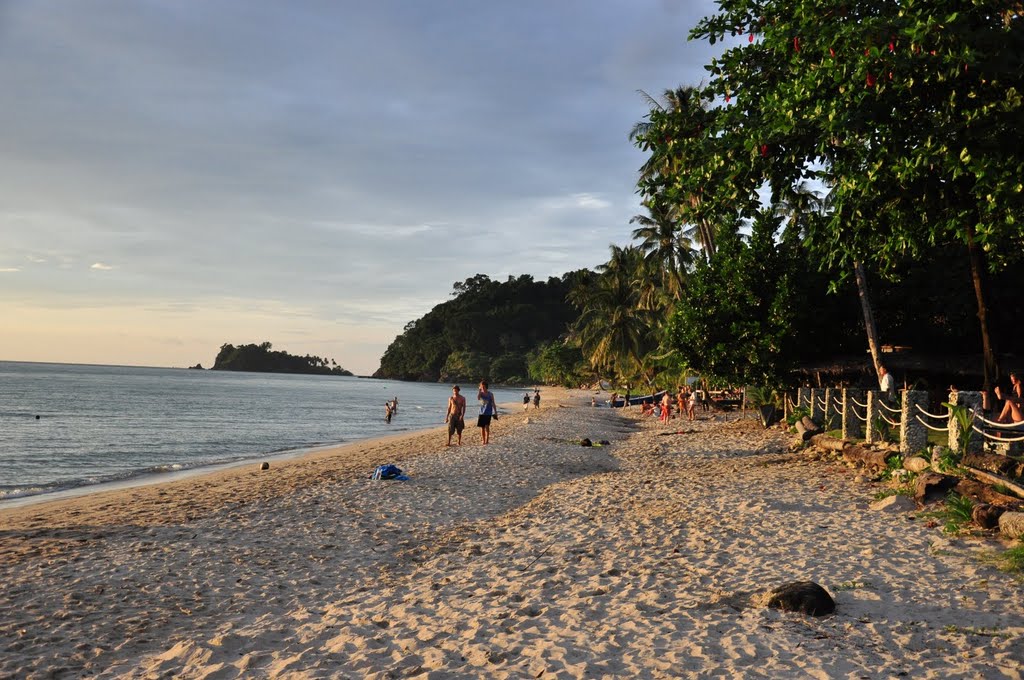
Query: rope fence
x=998, y=426
x=838, y=402
x=930, y=427
x=858, y=416
x=822, y=404
x=888, y=408
x=886, y=419
x=931, y=415
x=857, y=403
x=992, y=437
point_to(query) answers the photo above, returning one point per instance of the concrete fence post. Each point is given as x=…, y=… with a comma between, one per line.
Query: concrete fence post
x=853, y=427
x=913, y=434
x=971, y=400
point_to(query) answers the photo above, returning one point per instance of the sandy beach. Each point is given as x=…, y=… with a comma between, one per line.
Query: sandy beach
x=530, y=557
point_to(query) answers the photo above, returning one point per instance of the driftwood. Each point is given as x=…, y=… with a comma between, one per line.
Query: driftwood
x=986, y=494
x=823, y=441
x=987, y=516
x=996, y=479
x=866, y=457
x=805, y=428
x=993, y=462
x=931, y=484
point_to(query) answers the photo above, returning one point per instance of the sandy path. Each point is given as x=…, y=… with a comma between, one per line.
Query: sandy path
x=532, y=556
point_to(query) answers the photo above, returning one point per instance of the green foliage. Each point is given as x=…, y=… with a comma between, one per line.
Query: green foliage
x=262, y=359
x=486, y=331
x=965, y=420
x=798, y=413
x=957, y=512
x=558, y=363
x=948, y=459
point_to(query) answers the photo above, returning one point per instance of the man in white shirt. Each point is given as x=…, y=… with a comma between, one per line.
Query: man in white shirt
x=885, y=383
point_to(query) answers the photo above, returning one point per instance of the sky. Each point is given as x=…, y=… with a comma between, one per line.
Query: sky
x=180, y=174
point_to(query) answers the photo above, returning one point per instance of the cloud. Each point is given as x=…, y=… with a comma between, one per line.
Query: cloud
x=350, y=160
x=9, y=270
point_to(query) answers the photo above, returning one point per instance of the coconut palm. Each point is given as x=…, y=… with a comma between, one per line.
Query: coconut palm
x=667, y=248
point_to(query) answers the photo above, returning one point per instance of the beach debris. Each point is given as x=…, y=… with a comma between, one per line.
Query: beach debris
x=388, y=472
x=1011, y=524
x=586, y=442
x=987, y=516
x=894, y=504
x=264, y=465
x=931, y=484
x=803, y=597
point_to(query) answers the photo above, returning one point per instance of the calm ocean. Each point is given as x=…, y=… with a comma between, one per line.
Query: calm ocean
x=102, y=424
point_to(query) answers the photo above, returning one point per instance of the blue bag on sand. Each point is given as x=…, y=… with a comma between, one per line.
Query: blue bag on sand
x=388, y=472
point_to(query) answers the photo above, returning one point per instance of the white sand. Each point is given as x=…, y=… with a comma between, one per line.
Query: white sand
x=529, y=557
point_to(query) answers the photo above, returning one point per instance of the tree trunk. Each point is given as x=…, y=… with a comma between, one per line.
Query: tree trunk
x=991, y=368
x=823, y=441
x=869, y=458
x=986, y=494
x=869, y=316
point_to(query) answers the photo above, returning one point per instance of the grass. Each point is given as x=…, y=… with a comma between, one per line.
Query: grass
x=955, y=515
x=1010, y=560
x=941, y=438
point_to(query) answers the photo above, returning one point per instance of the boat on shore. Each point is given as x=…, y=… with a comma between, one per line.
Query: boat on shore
x=620, y=402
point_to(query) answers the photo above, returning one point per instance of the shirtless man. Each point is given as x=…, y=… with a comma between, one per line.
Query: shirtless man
x=456, y=416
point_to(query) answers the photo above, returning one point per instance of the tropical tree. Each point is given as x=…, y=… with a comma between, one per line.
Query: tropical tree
x=909, y=111
x=666, y=248
x=614, y=328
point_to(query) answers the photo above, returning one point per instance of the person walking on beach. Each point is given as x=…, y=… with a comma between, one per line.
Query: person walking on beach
x=536, y=398
x=680, y=401
x=526, y=401
x=691, y=406
x=456, y=416
x=666, y=407
x=488, y=410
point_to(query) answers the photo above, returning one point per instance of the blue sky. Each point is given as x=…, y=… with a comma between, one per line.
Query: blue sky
x=176, y=174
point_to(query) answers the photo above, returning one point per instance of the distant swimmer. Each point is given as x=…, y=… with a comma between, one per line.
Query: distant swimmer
x=388, y=411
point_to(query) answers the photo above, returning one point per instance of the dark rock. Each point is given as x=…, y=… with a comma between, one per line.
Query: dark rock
x=986, y=516
x=805, y=597
x=932, y=484
x=586, y=442
x=605, y=442
x=264, y=465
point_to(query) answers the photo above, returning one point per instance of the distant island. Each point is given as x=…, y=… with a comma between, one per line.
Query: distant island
x=263, y=359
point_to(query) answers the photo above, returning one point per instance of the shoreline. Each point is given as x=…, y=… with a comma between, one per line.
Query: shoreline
x=153, y=478
x=350, y=457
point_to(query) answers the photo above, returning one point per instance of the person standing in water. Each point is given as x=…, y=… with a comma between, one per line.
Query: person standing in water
x=488, y=410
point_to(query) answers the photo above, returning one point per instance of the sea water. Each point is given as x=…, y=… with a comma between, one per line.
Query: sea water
x=67, y=426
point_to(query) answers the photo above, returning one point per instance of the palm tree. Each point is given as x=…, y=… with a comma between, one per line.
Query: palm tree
x=614, y=326
x=667, y=248
x=683, y=115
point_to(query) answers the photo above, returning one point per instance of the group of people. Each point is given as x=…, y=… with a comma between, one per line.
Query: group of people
x=456, y=414
x=390, y=409
x=688, y=400
x=526, y=399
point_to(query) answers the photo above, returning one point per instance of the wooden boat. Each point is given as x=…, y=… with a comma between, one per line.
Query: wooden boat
x=636, y=401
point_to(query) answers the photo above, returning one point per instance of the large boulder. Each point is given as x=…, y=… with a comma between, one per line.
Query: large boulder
x=894, y=504
x=1011, y=524
x=805, y=597
x=916, y=464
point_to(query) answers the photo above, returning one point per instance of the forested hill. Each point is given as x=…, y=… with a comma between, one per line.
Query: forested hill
x=489, y=329
x=262, y=359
